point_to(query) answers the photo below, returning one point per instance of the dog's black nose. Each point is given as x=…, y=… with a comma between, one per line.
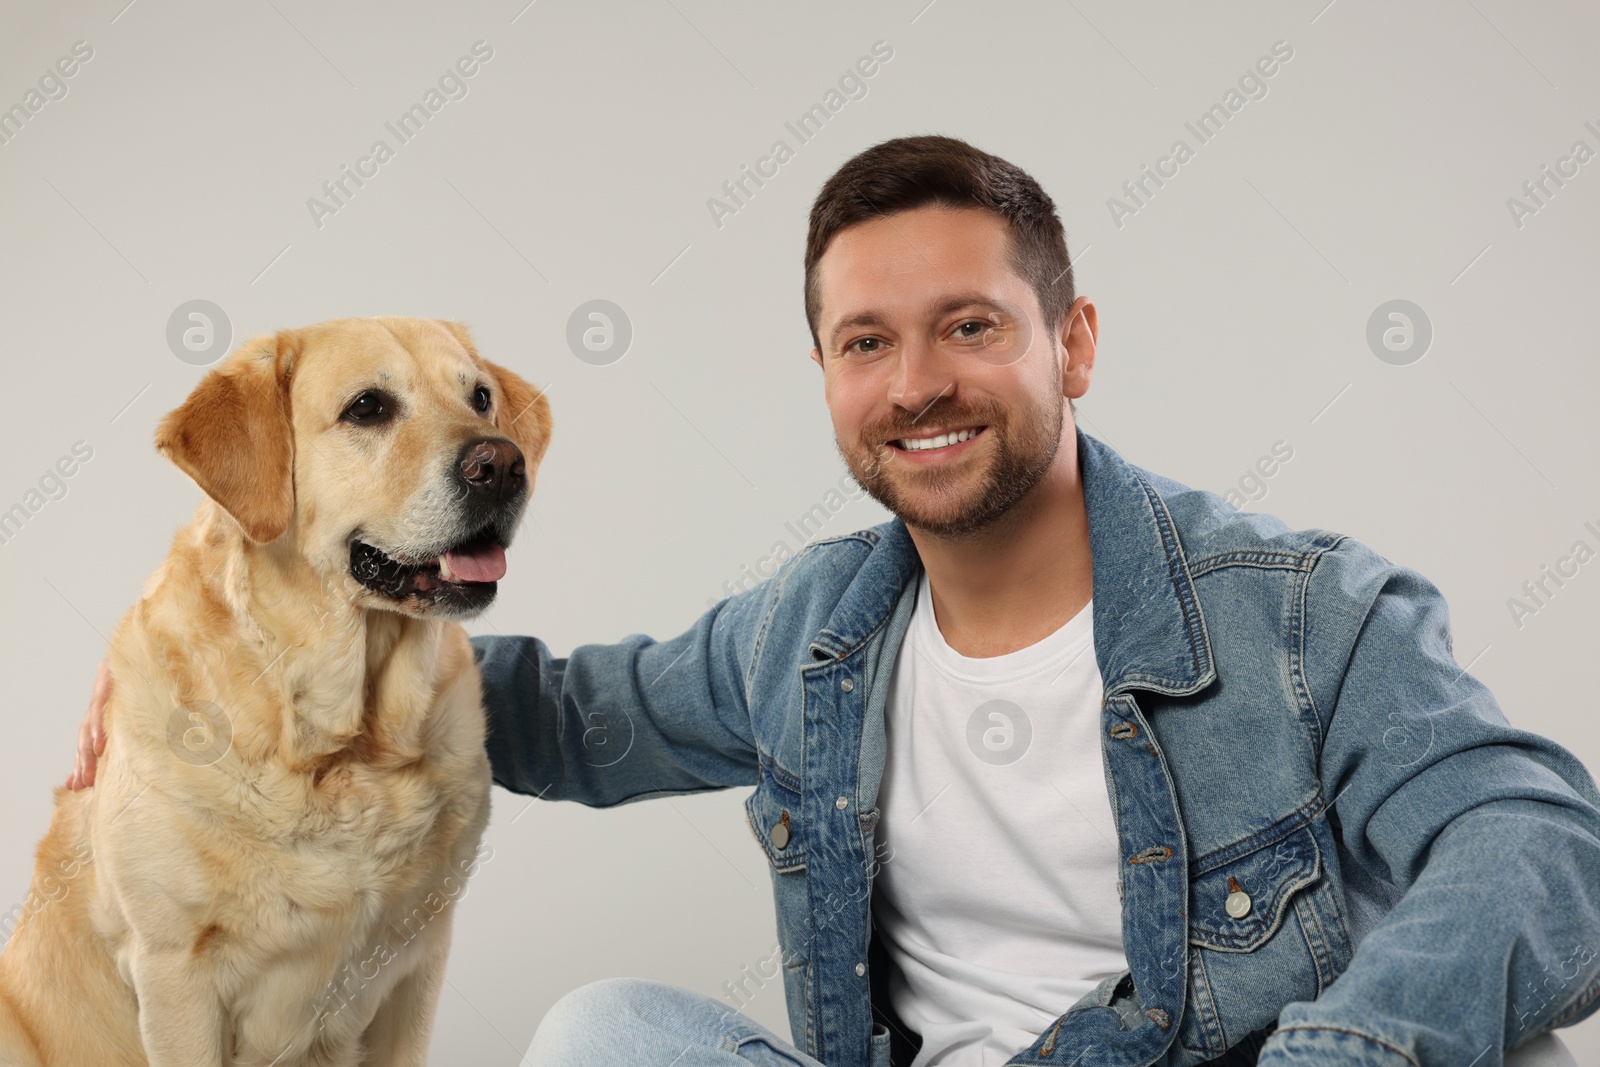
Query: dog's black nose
x=492, y=468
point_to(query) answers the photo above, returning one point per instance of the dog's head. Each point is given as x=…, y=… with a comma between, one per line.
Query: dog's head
x=397, y=459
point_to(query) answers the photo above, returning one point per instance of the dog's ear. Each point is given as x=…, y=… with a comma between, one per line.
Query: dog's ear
x=234, y=437
x=521, y=413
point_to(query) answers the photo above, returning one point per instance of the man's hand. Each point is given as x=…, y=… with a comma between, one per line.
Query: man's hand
x=92, y=734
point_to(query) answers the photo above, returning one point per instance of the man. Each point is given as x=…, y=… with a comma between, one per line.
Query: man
x=1068, y=763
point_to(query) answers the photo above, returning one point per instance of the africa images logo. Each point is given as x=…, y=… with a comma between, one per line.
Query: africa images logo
x=452, y=85
x=852, y=85
x=1252, y=85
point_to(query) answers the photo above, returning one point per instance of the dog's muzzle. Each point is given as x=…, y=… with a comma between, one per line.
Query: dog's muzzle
x=491, y=474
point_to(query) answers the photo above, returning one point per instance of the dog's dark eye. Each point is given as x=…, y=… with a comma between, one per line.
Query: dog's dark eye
x=367, y=408
x=480, y=398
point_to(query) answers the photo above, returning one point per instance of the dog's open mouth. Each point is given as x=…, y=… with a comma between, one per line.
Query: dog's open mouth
x=467, y=571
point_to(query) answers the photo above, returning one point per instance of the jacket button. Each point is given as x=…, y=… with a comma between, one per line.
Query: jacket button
x=780, y=832
x=841, y=803
x=861, y=968
x=847, y=685
x=1238, y=902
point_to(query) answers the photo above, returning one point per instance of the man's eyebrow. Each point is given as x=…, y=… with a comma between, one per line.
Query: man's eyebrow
x=954, y=302
x=850, y=322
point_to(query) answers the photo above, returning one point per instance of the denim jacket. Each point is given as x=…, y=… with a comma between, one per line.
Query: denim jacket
x=1414, y=881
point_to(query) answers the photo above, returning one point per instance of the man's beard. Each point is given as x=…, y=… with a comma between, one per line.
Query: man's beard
x=1022, y=454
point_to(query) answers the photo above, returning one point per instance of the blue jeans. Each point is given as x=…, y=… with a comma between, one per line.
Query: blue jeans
x=646, y=1023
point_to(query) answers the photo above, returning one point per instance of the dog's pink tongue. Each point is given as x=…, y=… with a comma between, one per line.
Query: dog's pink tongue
x=486, y=564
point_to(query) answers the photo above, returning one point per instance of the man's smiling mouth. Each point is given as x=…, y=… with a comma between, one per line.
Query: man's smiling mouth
x=932, y=442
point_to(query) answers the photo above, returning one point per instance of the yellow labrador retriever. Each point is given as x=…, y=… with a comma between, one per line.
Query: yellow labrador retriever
x=295, y=784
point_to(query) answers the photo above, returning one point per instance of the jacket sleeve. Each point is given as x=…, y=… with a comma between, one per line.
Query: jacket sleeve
x=1490, y=833
x=613, y=723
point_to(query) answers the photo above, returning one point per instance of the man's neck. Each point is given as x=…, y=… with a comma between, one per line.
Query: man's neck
x=1019, y=580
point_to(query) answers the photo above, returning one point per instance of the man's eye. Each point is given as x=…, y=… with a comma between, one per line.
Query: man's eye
x=864, y=346
x=369, y=407
x=972, y=329
x=481, y=398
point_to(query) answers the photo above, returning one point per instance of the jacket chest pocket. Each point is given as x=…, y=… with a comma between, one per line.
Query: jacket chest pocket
x=1236, y=904
x=774, y=814
x=1251, y=937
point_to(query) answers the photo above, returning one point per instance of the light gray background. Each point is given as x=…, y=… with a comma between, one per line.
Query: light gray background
x=1233, y=310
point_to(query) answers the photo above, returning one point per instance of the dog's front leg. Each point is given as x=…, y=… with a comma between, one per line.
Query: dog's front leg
x=180, y=1017
x=399, y=1033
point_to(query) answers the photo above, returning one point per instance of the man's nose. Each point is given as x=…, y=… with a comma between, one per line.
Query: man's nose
x=922, y=374
x=491, y=468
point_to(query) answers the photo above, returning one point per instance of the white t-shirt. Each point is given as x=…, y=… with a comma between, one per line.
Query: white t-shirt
x=999, y=858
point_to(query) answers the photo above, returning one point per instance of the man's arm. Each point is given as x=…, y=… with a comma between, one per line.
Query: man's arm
x=612, y=723
x=1492, y=833
x=605, y=725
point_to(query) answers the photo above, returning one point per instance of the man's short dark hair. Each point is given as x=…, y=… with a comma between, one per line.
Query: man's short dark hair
x=913, y=172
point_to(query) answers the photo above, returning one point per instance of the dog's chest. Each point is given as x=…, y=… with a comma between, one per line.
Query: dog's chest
x=374, y=837
x=356, y=899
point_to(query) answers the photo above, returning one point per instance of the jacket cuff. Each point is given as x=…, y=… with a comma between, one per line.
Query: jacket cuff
x=1328, y=1046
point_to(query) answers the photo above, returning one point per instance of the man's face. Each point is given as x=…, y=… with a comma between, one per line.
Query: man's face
x=926, y=332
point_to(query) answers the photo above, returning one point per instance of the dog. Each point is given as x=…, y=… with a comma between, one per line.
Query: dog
x=294, y=786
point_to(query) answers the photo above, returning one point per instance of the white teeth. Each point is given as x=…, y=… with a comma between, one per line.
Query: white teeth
x=444, y=569
x=924, y=444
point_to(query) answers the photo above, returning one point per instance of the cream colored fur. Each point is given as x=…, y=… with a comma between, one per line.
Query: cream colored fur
x=289, y=903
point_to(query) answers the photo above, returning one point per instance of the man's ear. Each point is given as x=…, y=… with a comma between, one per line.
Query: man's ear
x=234, y=436
x=521, y=411
x=1077, y=345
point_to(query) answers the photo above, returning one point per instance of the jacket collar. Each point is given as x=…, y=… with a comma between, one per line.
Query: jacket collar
x=1148, y=629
